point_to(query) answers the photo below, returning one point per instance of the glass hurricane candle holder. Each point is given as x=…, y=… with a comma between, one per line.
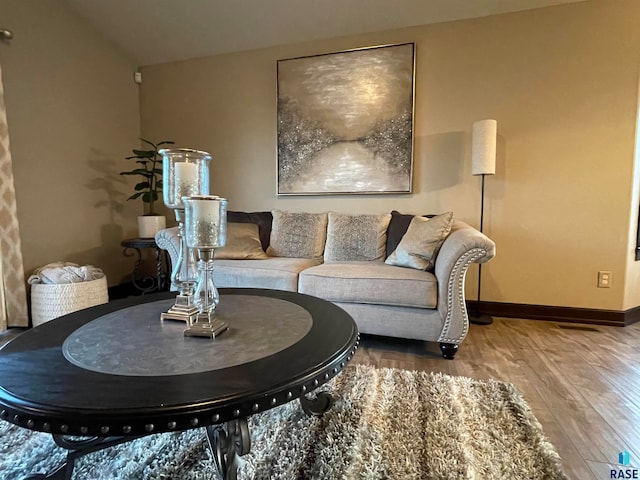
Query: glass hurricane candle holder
x=205, y=230
x=185, y=172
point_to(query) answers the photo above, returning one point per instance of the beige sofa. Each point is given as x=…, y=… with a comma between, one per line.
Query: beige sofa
x=384, y=299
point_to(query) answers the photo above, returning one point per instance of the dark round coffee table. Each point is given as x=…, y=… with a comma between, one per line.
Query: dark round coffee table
x=116, y=372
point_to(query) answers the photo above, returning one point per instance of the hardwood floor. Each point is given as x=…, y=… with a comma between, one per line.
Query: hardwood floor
x=582, y=382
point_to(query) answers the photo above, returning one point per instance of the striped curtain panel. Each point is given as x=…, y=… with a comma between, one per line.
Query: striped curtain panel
x=13, y=297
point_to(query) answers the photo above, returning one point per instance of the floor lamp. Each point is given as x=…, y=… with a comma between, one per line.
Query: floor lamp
x=483, y=162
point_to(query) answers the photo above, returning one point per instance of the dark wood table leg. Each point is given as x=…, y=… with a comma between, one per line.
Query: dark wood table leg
x=318, y=405
x=77, y=448
x=227, y=442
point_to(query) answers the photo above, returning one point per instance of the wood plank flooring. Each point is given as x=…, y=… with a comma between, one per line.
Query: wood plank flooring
x=582, y=382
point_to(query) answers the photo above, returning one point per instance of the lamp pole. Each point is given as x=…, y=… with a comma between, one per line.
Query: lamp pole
x=480, y=319
x=483, y=162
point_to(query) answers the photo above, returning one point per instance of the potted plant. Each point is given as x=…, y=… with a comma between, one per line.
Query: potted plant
x=150, y=188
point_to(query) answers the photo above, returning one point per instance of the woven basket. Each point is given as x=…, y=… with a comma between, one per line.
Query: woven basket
x=53, y=301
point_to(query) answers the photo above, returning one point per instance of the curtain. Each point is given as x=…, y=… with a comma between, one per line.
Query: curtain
x=13, y=297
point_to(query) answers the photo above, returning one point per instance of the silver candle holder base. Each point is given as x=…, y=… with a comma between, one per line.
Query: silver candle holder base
x=209, y=328
x=205, y=230
x=183, y=310
x=184, y=276
x=206, y=295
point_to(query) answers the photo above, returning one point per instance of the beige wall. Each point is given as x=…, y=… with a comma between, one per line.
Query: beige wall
x=632, y=280
x=73, y=115
x=562, y=83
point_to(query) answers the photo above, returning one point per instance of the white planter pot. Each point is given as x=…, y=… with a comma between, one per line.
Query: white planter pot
x=149, y=225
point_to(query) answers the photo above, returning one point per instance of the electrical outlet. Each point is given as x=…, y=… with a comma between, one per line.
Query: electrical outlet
x=604, y=279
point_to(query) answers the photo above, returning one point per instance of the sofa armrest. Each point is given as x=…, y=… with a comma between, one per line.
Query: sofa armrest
x=167, y=239
x=464, y=245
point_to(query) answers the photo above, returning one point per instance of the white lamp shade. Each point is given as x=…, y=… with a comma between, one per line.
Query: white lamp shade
x=483, y=147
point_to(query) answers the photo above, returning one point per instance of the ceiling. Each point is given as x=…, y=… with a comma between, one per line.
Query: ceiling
x=159, y=31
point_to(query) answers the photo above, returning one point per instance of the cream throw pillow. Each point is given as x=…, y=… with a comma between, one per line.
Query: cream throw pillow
x=243, y=243
x=421, y=243
x=297, y=235
x=353, y=238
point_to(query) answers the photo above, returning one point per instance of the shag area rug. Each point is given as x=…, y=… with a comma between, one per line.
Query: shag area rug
x=384, y=424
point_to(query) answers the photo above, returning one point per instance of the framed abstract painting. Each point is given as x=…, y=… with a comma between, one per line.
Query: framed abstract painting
x=345, y=122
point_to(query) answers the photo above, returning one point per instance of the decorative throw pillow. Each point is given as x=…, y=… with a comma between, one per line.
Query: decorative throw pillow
x=262, y=219
x=420, y=245
x=297, y=235
x=243, y=243
x=397, y=228
x=356, y=237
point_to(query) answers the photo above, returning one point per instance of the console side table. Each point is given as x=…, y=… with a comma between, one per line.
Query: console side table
x=147, y=283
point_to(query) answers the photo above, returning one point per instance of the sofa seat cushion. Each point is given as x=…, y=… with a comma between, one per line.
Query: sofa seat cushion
x=272, y=273
x=370, y=282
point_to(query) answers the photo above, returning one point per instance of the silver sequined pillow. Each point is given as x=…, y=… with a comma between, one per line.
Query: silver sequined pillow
x=421, y=243
x=356, y=237
x=297, y=235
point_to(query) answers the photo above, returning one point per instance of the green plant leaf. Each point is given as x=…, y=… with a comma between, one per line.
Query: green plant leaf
x=150, y=189
x=155, y=147
x=138, y=171
x=144, y=153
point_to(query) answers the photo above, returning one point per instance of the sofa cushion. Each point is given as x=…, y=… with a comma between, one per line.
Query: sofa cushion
x=262, y=219
x=272, y=273
x=243, y=243
x=352, y=238
x=370, y=282
x=297, y=235
x=420, y=245
x=397, y=228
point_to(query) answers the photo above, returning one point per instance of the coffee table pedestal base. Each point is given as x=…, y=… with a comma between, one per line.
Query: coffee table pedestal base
x=232, y=439
x=316, y=406
x=76, y=449
x=227, y=442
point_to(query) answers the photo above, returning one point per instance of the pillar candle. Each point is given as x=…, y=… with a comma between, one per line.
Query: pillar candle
x=186, y=178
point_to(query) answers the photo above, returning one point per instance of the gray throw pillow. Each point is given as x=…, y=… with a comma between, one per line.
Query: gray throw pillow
x=356, y=237
x=297, y=235
x=243, y=243
x=420, y=245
